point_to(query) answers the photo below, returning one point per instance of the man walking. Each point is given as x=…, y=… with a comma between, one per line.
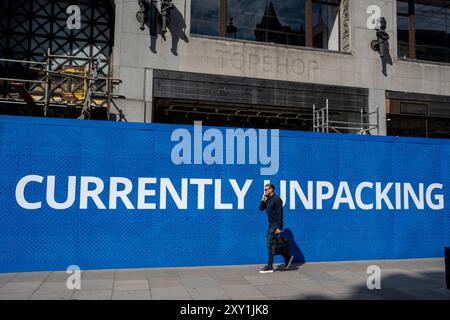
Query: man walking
x=274, y=208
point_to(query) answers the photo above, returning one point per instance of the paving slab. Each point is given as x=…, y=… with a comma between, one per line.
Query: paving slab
x=360, y=296
x=427, y=294
x=131, y=285
x=231, y=279
x=296, y=297
x=314, y=291
x=98, y=274
x=278, y=291
x=165, y=282
x=348, y=275
x=131, y=295
x=192, y=273
x=53, y=287
x=92, y=294
x=97, y=284
x=409, y=280
x=60, y=295
x=323, y=276
x=20, y=287
x=163, y=272
x=243, y=291
x=400, y=279
x=172, y=293
x=15, y=295
x=5, y=277
x=232, y=270
x=263, y=279
x=443, y=291
x=394, y=294
x=344, y=288
x=30, y=276
x=202, y=282
x=58, y=276
x=208, y=294
x=131, y=274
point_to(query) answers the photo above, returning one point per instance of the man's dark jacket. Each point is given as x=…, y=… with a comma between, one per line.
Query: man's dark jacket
x=274, y=209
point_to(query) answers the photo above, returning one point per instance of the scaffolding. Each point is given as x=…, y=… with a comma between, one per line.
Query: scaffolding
x=62, y=81
x=366, y=125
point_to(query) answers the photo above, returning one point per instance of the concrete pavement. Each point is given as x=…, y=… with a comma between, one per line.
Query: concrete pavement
x=400, y=279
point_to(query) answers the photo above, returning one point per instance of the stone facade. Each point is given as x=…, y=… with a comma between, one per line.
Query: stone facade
x=137, y=54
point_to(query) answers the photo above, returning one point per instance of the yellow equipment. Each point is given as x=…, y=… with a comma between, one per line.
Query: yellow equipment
x=74, y=85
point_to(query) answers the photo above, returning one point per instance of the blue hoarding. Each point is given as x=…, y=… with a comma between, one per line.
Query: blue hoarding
x=123, y=195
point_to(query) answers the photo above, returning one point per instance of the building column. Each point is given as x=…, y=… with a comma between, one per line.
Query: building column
x=377, y=99
x=148, y=95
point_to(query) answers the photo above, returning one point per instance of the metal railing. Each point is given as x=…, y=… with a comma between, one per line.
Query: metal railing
x=323, y=123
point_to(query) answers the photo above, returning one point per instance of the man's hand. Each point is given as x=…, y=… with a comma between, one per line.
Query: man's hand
x=277, y=232
x=264, y=198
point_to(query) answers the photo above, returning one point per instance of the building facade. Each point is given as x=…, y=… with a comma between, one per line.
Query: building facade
x=265, y=63
x=262, y=63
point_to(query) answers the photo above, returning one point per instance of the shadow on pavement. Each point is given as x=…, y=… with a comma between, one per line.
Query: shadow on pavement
x=427, y=285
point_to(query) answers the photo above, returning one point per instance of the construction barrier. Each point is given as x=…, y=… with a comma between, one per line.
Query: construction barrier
x=125, y=195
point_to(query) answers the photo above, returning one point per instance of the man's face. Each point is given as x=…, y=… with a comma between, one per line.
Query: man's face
x=268, y=191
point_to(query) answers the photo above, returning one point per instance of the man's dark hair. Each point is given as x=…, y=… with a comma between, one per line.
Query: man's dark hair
x=270, y=185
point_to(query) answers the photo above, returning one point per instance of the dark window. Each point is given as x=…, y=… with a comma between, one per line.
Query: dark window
x=417, y=115
x=205, y=17
x=218, y=100
x=438, y=128
x=279, y=21
x=326, y=24
x=413, y=108
x=288, y=22
x=431, y=36
x=406, y=126
x=402, y=7
x=424, y=29
x=423, y=127
x=402, y=36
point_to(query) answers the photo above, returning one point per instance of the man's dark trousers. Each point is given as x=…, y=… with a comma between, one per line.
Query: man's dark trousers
x=271, y=235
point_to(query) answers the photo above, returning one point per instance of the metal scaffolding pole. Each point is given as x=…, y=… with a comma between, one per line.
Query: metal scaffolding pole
x=47, y=80
x=323, y=123
x=54, y=87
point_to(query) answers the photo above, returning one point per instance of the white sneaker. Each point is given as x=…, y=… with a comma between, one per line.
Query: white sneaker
x=266, y=269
